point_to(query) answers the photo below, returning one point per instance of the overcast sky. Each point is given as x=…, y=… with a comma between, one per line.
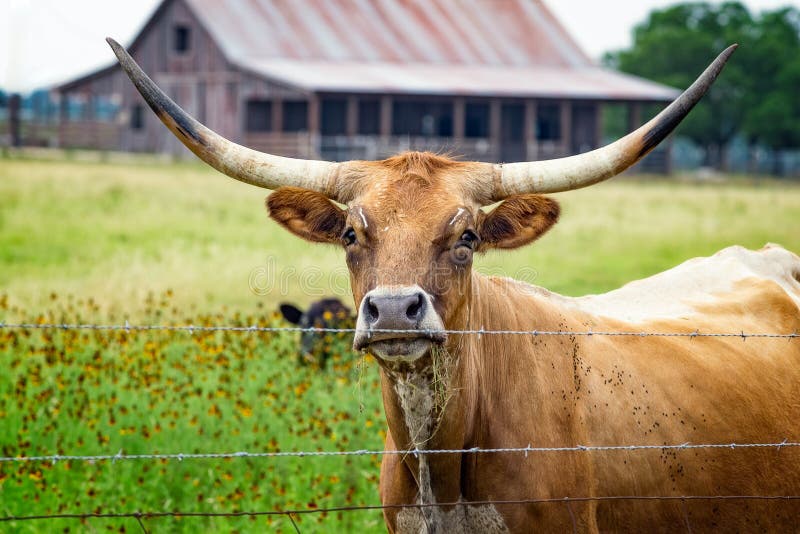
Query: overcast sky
x=49, y=41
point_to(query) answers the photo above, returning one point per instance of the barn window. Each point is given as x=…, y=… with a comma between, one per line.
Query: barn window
x=333, y=116
x=137, y=117
x=258, y=116
x=422, y=118
x=476, y=119
x=75, y=107
x=182, y=39
x=295, y=116
x=103, y=108
x=548, y=122
x=369, y=117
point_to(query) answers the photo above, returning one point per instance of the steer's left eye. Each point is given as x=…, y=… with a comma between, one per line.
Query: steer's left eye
x=468, y=239
x=461, y=253
x=349, y=237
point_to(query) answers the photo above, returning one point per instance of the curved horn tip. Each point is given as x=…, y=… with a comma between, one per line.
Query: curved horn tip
x=118, y=50
x=574, y=172
x=726, y=54
x=113, y=43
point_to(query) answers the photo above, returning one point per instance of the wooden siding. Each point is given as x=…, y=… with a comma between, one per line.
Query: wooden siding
x=211, y=88
x=89, y=134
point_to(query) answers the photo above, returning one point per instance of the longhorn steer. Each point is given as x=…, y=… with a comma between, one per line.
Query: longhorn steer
x=409, y=230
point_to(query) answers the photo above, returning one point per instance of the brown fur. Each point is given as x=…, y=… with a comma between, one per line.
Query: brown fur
x=554, y=391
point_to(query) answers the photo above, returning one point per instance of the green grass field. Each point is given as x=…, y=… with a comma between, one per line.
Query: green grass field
x=178, y=244
x=119, y=232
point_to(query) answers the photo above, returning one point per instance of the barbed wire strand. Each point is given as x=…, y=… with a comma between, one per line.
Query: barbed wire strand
x=373, y=507
x=273, y=329
x=180, y=456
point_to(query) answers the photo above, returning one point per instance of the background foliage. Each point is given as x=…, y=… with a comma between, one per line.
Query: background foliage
x=756, y=97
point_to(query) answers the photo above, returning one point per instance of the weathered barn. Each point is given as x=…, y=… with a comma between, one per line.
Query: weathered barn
x=496, y=80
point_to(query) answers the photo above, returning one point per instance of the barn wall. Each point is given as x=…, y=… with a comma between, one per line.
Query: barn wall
x=300, y=144
x=206, y=85
x=200, y=72
x=86, y=131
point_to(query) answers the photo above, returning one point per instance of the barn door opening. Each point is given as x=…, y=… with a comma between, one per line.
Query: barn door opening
x=512, y=132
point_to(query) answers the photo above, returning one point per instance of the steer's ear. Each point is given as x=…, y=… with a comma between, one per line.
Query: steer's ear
x=307, y=214
x=291, y=313
x=517, y=221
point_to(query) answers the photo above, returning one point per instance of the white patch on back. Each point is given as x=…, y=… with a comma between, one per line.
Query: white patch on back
x=675, y=293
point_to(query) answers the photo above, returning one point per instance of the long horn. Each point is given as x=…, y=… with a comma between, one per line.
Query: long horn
x=586, y=169
x=241, y=163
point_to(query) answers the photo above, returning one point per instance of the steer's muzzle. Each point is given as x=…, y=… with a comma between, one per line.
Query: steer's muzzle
x=398, y=323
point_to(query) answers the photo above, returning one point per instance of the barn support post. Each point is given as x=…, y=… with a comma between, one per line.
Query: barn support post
x=62, y=116
x=351, y=125
x=598, y=125
x=634, y=115
x=668, y=144
x=495, y=126
x=566, y=127
x=386, y=117
x=14, y=104
x=277, y=114
x=93, y=138
x=532, y=147
x=314, y=143
x=459, y=109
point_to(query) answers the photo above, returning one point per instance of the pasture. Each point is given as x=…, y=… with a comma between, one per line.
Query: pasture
x=157, y=243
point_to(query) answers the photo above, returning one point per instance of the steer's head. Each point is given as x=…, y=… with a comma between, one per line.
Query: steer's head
x=410, y=225
x=409, y=232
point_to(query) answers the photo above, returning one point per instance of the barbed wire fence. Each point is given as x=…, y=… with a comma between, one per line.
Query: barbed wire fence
x=291, y=514
x=128, y=327
x=181, y=456
x=365, y=508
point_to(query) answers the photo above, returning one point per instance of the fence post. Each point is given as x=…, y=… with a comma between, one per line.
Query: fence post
x=14, y=103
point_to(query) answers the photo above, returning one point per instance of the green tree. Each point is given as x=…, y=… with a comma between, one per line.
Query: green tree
x=675, y=44
x=773, y=97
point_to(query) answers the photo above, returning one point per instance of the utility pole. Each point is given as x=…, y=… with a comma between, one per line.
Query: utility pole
x=14, y=104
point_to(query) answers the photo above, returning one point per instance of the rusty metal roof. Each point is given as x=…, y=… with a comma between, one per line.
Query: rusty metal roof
x=491, y=47
x=477, y=32
x=588, y=82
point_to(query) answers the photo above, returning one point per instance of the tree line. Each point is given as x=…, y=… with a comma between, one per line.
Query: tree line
x=758, y=95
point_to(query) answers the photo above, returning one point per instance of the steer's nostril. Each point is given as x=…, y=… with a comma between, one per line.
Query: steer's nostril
x=415, y=309
x=372, y=312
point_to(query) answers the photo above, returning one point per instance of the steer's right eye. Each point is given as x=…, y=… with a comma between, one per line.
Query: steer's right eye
x=349, y=237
